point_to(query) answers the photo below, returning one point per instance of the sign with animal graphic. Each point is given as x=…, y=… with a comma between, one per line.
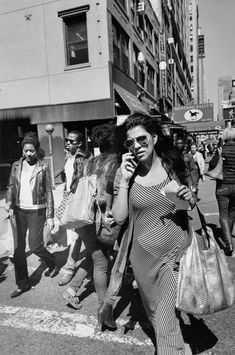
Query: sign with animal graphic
x=193, y=113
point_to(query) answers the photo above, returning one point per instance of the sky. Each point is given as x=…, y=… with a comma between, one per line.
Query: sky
x=217, y=20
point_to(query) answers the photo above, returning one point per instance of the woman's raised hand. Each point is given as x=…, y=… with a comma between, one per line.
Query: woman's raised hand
x=185, y=193
x=128, y=166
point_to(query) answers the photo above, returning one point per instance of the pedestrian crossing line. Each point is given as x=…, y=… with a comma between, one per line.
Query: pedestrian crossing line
x=64, y=323
x=211, y=214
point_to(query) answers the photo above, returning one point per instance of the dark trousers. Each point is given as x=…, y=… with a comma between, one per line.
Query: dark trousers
x=33, y=221
x=225, y=194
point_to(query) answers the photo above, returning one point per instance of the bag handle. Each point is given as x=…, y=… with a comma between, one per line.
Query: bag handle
x=202, y=218
x=203, y=224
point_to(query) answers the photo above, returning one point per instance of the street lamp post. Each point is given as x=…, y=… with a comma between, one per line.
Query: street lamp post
x=49, y=129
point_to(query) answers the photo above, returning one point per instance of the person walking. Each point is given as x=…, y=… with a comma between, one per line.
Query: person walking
x=73, y=170
x=29, y=196
x=97, y=252
x=199, y=166
x=183, y=148
x=156, y=231
x=225, y=189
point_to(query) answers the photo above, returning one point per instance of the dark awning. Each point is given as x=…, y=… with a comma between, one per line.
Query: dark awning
x=78, y=111
x=130, y=100
x=198, y=127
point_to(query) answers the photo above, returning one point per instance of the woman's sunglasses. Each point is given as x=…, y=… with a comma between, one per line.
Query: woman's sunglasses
x=130, y=142
x=71, y=141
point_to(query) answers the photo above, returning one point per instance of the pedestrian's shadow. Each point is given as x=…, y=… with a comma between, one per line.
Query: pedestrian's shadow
x=88, y=289
x=196, y=333
x=60, y=260
x=3, y=267
x=131, y=297
x=36, y=276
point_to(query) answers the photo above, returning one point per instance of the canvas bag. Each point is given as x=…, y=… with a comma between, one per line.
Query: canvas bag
x=205, y=283
x=82, y=209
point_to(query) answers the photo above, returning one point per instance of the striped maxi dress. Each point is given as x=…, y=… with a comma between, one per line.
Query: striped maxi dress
x=157, y=237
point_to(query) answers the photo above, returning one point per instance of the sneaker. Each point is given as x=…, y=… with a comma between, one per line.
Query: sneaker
x=73, y=300
x=65, y=278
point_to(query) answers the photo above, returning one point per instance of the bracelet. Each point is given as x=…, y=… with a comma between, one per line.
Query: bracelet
x=123, y=187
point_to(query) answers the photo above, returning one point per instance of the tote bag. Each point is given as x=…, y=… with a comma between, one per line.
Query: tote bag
x=82, y=208
x=205, y=283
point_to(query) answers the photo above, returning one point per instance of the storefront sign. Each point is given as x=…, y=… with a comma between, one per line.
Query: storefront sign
x=162, y=66
x=194, y=113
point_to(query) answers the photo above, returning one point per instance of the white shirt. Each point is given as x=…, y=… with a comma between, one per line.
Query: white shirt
x=68, y=168
x=26, y=198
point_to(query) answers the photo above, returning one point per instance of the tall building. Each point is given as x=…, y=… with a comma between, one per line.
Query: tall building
x=224, y=94
x=193, y=45
x=77, y=63
x=174, y=25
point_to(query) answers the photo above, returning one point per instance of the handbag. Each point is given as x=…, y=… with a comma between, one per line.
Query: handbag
x=205, y=283
x=106, y=232
x=82, y=209
x=217, y=171
x=8, y=240
x=61, y=208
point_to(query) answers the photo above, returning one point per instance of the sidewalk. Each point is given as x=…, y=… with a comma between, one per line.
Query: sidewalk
x=6, y=242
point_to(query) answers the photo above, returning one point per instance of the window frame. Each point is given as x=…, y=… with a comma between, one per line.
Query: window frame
x=69, y=14
x=121, y=52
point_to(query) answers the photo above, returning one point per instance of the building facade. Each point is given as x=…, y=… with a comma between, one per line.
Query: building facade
x=175, y=23
x=76, y=64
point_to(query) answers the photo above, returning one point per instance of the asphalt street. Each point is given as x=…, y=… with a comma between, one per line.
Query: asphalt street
x=39, y=321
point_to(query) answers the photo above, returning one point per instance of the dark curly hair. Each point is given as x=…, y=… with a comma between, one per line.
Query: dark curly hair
x=102, y=136
x=164, y=147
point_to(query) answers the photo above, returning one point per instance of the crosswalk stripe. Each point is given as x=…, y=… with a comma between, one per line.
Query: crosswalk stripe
x=63, y=323
x=211, y=214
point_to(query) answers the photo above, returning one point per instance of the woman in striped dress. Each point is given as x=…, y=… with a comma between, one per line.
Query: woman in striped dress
x=156, y=230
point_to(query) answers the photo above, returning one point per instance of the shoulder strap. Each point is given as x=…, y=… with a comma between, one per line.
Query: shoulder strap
x=202, y=219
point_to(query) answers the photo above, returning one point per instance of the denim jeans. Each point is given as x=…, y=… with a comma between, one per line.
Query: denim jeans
x=225, y=194
x=98, y=255
x=33, y=221
x=74, y=251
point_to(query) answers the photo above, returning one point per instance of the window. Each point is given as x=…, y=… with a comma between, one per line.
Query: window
x=156, y=46
x=148, y=34
x=122, y=3
x=76, y=43
x=150, y=79
x=135, y=62
x=120, y=48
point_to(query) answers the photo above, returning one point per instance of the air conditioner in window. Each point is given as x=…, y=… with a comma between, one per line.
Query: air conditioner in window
x=141, y=7
x=141, y=59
